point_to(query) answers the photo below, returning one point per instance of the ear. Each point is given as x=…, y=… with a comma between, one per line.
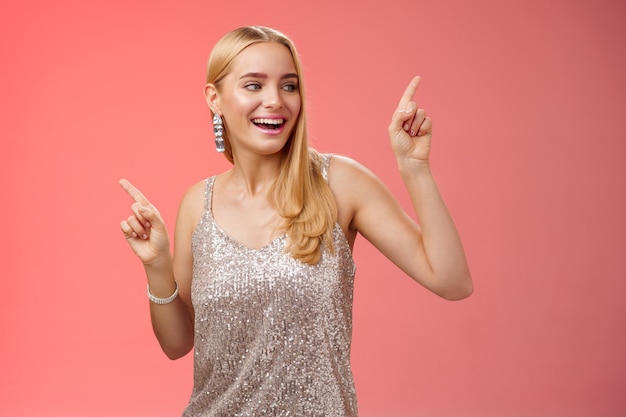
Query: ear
x=212, y=98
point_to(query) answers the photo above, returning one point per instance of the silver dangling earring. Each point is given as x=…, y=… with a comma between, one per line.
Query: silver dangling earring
x=218, y=129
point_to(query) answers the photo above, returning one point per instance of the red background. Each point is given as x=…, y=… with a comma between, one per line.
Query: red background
x=527, y=99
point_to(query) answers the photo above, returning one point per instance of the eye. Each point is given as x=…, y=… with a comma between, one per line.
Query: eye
x=252, y=86
x=291, y=87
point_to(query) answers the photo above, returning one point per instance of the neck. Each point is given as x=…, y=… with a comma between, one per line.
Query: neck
x=254, y=176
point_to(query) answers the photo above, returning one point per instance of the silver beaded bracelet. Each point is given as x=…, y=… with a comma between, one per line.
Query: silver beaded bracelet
x=157, y=300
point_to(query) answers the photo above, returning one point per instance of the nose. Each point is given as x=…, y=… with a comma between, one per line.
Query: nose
x=272, y=98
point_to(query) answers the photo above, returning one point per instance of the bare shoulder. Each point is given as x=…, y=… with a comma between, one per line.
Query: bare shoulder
x=343, y=168
x=352, y=185
x=195, y=194
x=191, y=207
x=347, y=175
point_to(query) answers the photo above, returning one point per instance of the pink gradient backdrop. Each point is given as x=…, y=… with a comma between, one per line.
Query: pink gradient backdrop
x=528, y=103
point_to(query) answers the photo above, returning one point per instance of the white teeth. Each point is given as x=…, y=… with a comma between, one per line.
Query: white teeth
x=268, y=121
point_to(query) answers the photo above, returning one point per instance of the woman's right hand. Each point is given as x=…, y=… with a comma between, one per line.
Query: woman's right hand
x=145, y=230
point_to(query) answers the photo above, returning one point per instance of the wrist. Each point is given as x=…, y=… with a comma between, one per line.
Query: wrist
x=414, y=167
x=159, y=263
x=162, y=300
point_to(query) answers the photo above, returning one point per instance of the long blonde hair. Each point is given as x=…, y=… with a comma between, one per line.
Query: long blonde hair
x=300, y=193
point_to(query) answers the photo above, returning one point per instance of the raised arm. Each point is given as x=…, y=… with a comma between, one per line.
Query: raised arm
x=147, y=236
x=431, y=252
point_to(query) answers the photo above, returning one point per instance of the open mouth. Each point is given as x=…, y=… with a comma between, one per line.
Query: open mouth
x=269, y=124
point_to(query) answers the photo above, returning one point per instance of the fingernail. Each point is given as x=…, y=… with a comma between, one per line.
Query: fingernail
x=144, y=236
x=134, y=234
x=406, y=127
x=148, y=224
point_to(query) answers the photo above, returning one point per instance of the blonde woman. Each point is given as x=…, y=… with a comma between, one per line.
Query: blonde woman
x=260, y=283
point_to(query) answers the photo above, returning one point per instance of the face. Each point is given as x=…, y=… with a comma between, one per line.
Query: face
x=259, y=99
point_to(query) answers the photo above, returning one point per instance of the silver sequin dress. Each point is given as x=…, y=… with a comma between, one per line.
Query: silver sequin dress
x=272, y=334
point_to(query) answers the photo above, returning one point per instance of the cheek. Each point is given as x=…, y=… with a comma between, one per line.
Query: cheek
x=242, y=102
x=295, y=106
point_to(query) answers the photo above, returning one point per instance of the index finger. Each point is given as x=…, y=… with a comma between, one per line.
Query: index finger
x=407, y=97
x=134, y=193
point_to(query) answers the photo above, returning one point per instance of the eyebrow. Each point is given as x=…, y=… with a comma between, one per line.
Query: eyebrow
x=262, y=75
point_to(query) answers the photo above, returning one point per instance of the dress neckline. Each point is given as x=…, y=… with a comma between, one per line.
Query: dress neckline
x=209, y=208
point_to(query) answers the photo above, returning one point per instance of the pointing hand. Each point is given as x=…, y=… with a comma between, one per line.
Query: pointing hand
x=410, y=130
x=144, y=230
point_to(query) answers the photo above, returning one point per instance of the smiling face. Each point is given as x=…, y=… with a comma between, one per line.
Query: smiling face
x=259, y=99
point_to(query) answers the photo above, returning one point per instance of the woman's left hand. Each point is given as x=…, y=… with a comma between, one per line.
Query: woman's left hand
x=410, y=130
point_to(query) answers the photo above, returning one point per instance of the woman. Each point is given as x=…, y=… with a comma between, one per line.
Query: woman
x=261, y=280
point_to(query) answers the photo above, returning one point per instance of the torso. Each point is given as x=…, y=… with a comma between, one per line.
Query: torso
x=272, y=334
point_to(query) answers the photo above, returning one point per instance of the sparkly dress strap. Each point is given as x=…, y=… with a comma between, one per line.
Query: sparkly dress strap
x=325, y=164
x=208, y=193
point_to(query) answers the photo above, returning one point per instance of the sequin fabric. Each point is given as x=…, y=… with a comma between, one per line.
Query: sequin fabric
x=272, y=334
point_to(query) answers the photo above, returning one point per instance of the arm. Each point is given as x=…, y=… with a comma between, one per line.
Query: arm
x=148, y=238
x=431, y=252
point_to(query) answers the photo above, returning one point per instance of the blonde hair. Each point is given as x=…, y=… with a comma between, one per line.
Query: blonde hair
x=300, y=193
